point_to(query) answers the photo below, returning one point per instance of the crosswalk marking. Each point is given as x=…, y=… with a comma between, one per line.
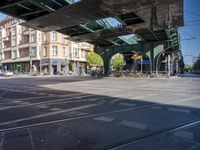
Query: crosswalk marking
x=105, y=119
x=127, y=104
x=136, y=125
x=184, y=134
x=179, y=110
x=42, y=106
x=56, y=109
x=156, y=107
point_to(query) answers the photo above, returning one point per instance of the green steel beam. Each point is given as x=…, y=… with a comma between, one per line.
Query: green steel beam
x=71, y=1
x=41, y=5
x=86, y=28
x=12, y=4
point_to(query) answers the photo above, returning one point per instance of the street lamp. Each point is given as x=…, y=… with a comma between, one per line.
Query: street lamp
x=67, y=61
x=78, y=57
x=31, y=55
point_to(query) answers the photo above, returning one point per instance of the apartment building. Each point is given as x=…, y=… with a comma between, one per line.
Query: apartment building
x=25, y=50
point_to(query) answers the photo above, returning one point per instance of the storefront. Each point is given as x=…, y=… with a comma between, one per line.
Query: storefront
x=21, y=67
x=61, y=66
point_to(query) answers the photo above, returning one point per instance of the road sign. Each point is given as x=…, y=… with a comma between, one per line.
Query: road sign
x=136, y=57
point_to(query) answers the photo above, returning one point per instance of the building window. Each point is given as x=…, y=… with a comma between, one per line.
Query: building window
x=83, y=53
x=45, y=51
x=7, y=55
x=54, y=36
x=45, y=37
x=54, y=50
x=63, y=37
x=33, y=52
x=14, y=54
x=13, y=31
x=33, y=38
x=13, y=42
x=64, y=51
x=75, y=52
x=19, y=31
x=39, y=37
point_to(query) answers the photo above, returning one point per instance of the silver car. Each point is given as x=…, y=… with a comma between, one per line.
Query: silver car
x=8, y=74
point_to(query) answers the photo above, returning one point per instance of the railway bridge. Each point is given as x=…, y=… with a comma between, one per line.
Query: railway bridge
x=148, y=27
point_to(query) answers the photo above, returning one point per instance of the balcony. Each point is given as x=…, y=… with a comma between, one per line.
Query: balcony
x=86, y=46
x=25, y=32
x=7, y=47
x=24, y=53
x=6, y=39
x=23, y=43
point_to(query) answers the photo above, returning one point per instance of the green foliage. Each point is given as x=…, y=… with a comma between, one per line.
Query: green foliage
x=188, y=68
x=196, y=65
x=117, y=61
x=94, y=59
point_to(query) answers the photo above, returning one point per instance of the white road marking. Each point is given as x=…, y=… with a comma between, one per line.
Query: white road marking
x=73, y=112
x=180, y=110
x=30, y=92
x=29, y=98
x=77, y=97
x=128, y=104
x=51, y=94
x=66, y=100
x=156, y=107
x=95, y=115
x=2, y=137
x=81, y=113
x=184, y=134
x=41, y=93
x=16, y=101
x=115, y=101
x=31, y=138
x=104, y=119
x=49, y=114
x=136, y=125
x=184, y=100
x=56, y=109
x=3, y=93
x=144, y=96
x=25, y=103
x=42, y=106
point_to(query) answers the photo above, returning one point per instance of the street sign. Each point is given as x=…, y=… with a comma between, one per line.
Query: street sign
x=136, y=57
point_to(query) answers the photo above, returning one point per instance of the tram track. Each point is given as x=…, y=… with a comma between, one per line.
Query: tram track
x=156, y=133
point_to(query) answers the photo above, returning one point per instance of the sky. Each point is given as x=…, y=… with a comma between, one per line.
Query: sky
x=189, y=33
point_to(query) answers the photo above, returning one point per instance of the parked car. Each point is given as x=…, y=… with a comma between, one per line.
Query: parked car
x=1, y=73
x=8, y=74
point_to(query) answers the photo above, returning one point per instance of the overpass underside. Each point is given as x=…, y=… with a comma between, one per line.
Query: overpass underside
x=148, y=27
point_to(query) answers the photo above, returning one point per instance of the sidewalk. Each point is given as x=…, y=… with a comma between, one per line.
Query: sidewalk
x=17, y=76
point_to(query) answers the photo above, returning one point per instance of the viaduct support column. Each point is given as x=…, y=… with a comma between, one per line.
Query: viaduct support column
x=107, y=66
x=154, y=51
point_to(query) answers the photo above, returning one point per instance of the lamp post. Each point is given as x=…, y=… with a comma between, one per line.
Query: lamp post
x=67, y=63
x=141, y=64
x=78, y=57
x=31, y=55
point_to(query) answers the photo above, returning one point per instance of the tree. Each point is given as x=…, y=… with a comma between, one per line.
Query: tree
x=117, y=61
x=188, y=68
x=196, y=65
x=94, y=59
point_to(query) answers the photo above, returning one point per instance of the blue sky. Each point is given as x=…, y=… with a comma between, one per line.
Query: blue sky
x=190, y=33
x=191, y=30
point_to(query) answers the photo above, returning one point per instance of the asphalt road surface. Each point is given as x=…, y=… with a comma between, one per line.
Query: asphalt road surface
x=80, y=113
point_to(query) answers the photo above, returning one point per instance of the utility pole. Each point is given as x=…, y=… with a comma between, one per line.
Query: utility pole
x=169, y=65
x=40, y=62
x=31, y=63
x=141, y=64
x=78, y=57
